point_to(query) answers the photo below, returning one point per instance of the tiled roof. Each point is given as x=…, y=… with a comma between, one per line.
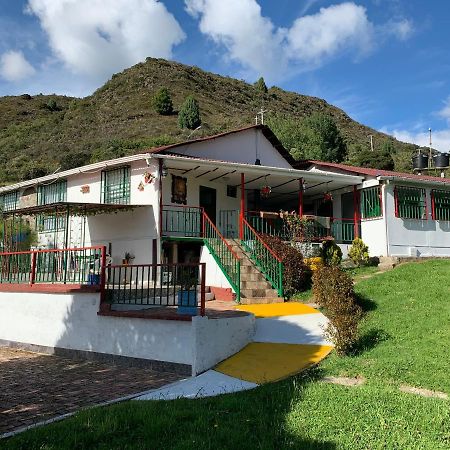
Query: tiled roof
x=370, y=172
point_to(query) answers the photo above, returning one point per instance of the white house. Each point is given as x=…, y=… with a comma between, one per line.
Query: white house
x=120, y=242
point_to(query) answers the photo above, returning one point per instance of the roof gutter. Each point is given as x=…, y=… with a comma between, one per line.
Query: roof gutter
x=412, y=180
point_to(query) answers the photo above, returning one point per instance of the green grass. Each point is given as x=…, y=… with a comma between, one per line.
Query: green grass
x=404, y=339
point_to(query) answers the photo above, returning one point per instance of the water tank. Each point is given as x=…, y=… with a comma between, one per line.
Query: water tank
x=441, y=160
x=420, y=161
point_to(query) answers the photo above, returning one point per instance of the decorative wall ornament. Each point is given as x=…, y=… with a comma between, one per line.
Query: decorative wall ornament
x=85, y=189
x=179, y=189
x=141, y=186
x=148, y=177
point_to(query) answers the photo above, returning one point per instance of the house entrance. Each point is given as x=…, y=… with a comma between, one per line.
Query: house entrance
x=208, y=201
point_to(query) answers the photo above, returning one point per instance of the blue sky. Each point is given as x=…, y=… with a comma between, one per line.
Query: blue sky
x=385, y=62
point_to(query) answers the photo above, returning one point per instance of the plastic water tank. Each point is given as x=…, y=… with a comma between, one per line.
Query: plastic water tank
x=420, y=161
x=441, y=160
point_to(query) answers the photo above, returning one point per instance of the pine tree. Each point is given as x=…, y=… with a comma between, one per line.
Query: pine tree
x=189, y=115
x=260, y=85
x=162, y=102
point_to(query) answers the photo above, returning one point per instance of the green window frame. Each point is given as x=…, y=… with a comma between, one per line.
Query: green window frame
x=116, y=186
x=9, y=200
x=440, y=201
x=50, y=222
x=371, y=203
x=52, y=193
x=410, y=203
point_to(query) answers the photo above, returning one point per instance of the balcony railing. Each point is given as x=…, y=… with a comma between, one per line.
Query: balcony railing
x=158, y=285
x=181, y=221
x=55, y=266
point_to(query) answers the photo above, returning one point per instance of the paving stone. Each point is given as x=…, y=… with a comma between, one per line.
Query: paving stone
x=423, y=392
x=37, y=387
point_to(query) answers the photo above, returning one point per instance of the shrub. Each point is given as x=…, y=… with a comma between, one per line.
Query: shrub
x=52, y=105
x=359, y=252
x=296, y=275
x=189, y=115
x=260, y=85
x=333, y=290
x=162, y=102
x=314, y=263
x=331, y=253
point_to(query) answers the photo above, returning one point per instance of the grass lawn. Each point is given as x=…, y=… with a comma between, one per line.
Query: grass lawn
x=404, y=340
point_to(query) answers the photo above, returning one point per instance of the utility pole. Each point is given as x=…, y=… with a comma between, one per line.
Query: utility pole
x=430, y=153
x=371, y=142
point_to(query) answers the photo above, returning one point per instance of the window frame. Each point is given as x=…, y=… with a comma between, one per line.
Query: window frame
x=125, y=184
x=15, y=201
x=363, y=210
x=48, y=194
x=42, y=221
x=423, y=205
x=434, y=210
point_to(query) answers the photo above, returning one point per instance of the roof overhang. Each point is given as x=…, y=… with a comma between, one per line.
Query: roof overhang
x=409, y=180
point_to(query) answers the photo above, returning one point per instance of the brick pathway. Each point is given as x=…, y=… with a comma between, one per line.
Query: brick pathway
x=36, y=387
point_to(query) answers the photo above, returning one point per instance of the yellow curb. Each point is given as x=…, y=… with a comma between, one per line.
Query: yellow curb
x=278, y=309
x=261, y=362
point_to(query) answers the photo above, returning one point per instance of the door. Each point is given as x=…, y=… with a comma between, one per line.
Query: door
x=208, y=201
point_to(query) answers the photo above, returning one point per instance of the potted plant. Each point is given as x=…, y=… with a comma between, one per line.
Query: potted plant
x=127, y=258
x=187, y=295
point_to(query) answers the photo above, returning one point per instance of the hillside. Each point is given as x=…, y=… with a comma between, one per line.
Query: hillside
x=118, y=118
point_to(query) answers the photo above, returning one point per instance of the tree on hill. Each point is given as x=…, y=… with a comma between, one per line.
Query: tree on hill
x=379, y=158
x=260, y=85
x=189, y=115
x=315, y=137
x=162, y=102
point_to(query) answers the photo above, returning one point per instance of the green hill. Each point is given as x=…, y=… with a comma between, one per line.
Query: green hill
x=118, y=119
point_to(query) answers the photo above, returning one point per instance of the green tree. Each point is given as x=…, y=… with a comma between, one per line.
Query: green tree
x=162, y=102
x=189, y=115
x=260, y=85
x=52, y=105
x=379, y=158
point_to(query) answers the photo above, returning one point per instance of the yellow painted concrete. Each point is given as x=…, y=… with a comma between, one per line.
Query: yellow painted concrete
x=265, y=362
x=278, y=309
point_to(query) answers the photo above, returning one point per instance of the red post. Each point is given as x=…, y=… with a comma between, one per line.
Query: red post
x=355, y=212
x=203, y=290
x=160, y=167
x=242, y=212
x=33, y=268
x=102, y=274
x=300, y=197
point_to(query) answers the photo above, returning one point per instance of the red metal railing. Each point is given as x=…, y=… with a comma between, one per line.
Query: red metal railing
x=54, y=266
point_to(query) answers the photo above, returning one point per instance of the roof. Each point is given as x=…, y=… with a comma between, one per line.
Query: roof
x=372, y=172
x=266, y=131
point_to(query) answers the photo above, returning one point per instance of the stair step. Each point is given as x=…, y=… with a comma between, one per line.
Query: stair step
x=252, y=276
x=255, y=284
x=258, y=293
x=261, y=300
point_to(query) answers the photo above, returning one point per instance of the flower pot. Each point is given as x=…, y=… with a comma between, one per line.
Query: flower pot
x=187, y=302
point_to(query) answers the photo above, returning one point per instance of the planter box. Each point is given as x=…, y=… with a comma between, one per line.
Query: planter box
x=269, y=215
x=187, y=303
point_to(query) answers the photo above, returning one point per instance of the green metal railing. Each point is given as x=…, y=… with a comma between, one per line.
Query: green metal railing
x=343, y=230
x=58, y=266
x=410, y=202
x=223, y=254
x=440, y=201
x=52, y=193
x=180, y=220
x=116, y=185
x=268, y=262
x=275, y=226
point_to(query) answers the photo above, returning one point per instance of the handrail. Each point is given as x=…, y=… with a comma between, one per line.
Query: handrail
x=223, y=253
x=265, y=258
x=262, y=241
x=53, y=250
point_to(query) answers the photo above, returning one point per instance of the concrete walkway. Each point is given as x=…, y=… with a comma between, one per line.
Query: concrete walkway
x=288, y=339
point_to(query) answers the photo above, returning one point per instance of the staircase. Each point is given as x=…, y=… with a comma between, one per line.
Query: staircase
x=255, y=289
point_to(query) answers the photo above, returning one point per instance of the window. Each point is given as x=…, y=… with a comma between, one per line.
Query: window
x=52, y=222
x=8, y=201
x=441, y=204
x=52, y=193
x=410, y=203
x=116, y=186
x=371, y=202
x=231, y=191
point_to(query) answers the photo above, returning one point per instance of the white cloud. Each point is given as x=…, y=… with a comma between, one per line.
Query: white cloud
x=98, y=37
x=258, y=45
x=440, y=138
x=445, y=111
x=14, y=66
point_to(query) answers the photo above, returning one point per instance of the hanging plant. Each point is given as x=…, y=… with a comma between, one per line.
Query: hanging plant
x=148, y=177
x=327, y=197
x=265, y=191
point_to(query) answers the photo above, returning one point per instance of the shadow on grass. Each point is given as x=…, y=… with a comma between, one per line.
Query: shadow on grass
x=370, y=340
x=366, y=303
x=246, y=420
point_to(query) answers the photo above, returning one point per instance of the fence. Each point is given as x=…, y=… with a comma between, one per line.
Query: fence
x=156, y=285
x=183, y=221
x=64, y=266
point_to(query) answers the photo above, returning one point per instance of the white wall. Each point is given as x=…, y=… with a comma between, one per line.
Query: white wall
x=214, y=275
x=408, y=237
x=217, y=339
x=70, y=321
x=243, y=147
x=373, y=233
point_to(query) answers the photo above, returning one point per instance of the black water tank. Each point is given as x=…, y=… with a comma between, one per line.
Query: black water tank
x=420, y=161
x=441, y=160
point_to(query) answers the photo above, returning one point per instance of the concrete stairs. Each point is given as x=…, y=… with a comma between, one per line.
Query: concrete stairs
x=255, y=289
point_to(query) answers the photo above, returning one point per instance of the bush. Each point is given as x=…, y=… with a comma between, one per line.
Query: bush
x=331, y=253
x=296, y=275
x=162, y=102
x=52, y=105
x=359, y=252
x=333, y=290
x=260, y=85
x=189, y=115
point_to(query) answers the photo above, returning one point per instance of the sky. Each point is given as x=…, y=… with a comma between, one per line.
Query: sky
x=385, y=62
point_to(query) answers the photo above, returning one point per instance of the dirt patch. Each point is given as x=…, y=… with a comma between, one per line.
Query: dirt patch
x=344, y=381
x=423, y=392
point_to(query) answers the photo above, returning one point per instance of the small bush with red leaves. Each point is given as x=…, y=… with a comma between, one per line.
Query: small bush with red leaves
x=296, y=274
x=333, y=290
